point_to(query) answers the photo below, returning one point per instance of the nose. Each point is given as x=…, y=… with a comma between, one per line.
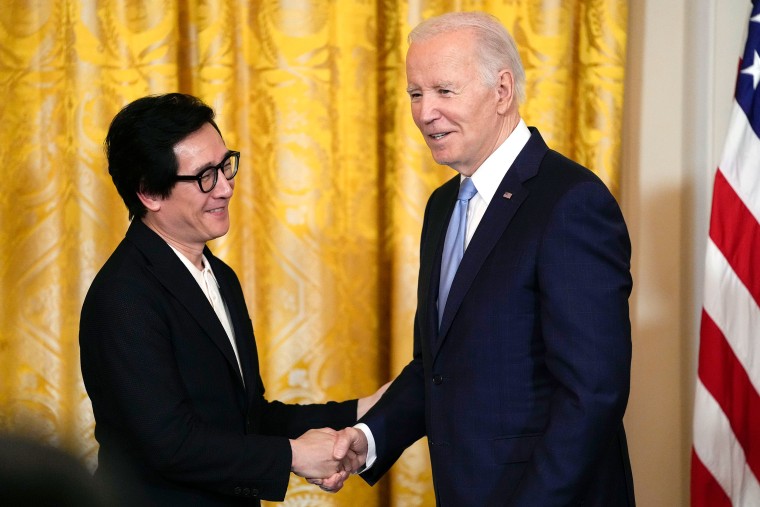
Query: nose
x=428, y=109
x=223, y=188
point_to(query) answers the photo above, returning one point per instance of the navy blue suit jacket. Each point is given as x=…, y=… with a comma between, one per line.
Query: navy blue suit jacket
x=522, y=391
x=170, y=406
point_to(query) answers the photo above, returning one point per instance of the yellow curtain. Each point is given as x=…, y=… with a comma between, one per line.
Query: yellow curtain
x=329, y=199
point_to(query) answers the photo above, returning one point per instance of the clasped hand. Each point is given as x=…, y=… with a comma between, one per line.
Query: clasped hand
x=326, y=457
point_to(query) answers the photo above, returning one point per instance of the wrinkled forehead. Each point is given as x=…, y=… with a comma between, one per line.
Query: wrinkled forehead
x=443, y=57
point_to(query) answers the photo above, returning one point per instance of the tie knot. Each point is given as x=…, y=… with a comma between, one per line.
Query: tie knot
x=467, y=190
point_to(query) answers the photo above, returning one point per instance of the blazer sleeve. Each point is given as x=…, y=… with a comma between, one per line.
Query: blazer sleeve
x=584, y=283
x=127, y=338
x=274, y=417
x=398, y=418
x=293, y=420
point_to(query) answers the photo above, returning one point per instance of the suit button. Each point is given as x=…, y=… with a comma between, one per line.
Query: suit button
x=254, y=492
x=247, y=492
x=437, y=379
x=238, y=490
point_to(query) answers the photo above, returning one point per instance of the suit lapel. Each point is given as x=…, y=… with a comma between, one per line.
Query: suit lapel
x=433, y=235
x=164, y=264
x=238, y=316
x=502, y=208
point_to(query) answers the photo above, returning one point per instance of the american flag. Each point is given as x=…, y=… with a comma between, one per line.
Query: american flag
x=725, y=464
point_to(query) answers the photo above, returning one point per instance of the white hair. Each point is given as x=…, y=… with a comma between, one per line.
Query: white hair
x=496, y=47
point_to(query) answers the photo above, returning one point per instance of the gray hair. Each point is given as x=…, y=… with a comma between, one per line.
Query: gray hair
x=496, y=48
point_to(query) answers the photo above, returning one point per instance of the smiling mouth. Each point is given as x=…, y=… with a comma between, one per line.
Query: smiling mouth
x=439, y=136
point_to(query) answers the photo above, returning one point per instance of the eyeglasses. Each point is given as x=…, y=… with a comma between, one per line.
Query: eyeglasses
x=207, y=178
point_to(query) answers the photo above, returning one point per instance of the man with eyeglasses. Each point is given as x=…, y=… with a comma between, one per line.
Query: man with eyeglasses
x=167, y=347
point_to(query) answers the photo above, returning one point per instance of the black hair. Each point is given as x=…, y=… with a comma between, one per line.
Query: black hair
x=140, y=144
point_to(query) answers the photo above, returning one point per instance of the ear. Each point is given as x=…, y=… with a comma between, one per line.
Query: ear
x=505, y=87
x=151, y=202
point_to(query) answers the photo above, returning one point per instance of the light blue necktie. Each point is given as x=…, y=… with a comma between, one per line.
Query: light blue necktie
x=453, y=246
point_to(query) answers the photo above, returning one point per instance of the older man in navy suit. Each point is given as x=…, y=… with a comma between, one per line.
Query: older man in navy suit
x=521, y=367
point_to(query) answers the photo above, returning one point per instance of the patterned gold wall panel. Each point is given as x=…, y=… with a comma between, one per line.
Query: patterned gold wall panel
x=409, y=176
x=315, y=172
x=65, y=68
x=328, y=202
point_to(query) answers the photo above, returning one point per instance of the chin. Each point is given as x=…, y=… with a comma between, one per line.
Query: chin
x=441, y=158
x=218, y=232
x=223, y=232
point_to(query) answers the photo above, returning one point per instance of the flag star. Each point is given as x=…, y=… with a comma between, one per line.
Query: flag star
x=754, y=71
x=755, y=19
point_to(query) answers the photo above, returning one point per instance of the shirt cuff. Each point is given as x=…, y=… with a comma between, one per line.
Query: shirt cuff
x=371, y=449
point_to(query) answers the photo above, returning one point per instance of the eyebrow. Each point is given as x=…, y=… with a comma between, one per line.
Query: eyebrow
x=438, y=86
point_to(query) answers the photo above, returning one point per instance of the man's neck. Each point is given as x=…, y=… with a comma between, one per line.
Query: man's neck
x=194, y=253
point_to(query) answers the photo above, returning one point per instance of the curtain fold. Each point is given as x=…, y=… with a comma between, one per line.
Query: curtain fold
x=328, y=202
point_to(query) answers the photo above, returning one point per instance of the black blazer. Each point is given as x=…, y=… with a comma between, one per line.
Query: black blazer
x=522, y=391
x=170, y=406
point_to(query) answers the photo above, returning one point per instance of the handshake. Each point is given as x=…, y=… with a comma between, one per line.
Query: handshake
x=326, y=457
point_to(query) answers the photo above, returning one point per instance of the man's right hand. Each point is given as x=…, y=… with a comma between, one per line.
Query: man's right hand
x=351, y=441
x=350, y=449
x=313, y=456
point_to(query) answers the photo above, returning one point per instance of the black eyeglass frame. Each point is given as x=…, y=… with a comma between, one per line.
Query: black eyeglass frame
x=198, y=178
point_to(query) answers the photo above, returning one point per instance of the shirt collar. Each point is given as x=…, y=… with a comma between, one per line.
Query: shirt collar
x=197, y=273
x=491, y=172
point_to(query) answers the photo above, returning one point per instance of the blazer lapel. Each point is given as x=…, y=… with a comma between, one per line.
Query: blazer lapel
x=238, y=316
x=164, y=264
x=505, y=203
x=433, y=235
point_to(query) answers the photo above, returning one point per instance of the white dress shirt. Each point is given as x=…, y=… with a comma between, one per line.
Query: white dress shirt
x=486, y=179
x=210, y=287
x=488, y=176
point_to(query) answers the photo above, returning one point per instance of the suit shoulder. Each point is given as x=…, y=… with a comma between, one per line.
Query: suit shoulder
x=124, y=275
x=558, y=175
x=126, y=258
x=559, y=166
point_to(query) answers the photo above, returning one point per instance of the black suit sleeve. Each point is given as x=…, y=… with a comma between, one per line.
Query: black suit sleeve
x=142, y=407
x=166, y=401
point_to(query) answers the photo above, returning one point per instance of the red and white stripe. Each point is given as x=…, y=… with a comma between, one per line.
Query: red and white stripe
x=726, y=450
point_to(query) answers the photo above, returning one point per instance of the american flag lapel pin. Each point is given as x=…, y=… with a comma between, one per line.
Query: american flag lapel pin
x=507, y=195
